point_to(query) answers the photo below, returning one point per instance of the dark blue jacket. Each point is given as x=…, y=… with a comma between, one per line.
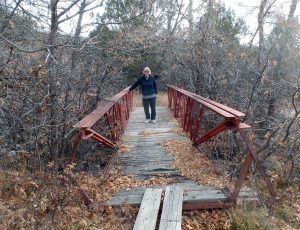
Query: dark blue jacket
x=148, y=86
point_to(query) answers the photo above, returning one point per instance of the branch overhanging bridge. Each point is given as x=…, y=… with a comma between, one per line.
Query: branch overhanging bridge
x=146, y=158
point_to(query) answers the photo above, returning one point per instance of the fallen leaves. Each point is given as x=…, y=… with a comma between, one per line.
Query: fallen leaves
x=102, y=190
x=193, y=164
x=149, y=133
x=203, y=219
x=178, y=131
x=122, y=148
x=48, y=200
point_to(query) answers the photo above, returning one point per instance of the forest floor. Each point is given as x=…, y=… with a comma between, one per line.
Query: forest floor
x=49, y=199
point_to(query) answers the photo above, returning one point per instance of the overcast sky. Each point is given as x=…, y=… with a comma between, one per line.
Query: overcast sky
x=244, y=9
x=248, y=10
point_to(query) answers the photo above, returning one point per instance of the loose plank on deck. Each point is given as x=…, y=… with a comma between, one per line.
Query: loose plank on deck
x=149, y=208
x=172, y=209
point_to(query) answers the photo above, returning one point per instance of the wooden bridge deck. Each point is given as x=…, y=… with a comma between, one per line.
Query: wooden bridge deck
x=147, y=158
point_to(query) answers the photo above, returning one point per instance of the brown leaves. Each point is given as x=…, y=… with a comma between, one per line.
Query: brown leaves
x=108, y=210
x=122, y=148
x=37, y=71
x=198, y=220
x=148, y=133
x=192, y=164
x=102, y=190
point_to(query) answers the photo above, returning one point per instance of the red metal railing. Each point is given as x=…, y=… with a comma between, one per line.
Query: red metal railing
x=190, y=108
x=116, y=112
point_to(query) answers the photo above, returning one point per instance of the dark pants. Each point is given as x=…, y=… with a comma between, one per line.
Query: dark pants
x=151, y=102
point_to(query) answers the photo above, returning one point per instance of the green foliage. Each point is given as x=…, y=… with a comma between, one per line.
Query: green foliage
x=104, y=35
x=227, y=25
x=136, y=67
x=127, y=11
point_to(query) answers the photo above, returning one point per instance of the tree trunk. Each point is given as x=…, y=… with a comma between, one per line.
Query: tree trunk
x=52, y=78
x=293, y=7
x=74, y=62
x=260, y=21
x=191, y=18
x=170, y=15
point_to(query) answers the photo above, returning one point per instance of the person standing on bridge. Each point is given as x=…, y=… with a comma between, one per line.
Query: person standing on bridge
x=149, y=92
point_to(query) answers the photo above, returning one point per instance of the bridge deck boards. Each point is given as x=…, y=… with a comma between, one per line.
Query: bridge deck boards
x=148, y=212
x=147, y=158
x=172, y=209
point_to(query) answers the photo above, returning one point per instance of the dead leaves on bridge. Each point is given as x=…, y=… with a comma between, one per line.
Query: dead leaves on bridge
x=193, y=164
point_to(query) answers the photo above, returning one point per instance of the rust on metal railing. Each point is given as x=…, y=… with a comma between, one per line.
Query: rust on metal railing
x=116, y=111
x=189, y=109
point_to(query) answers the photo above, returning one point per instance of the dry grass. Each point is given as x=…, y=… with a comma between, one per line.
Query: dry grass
x=162, y=100
x=137, y=100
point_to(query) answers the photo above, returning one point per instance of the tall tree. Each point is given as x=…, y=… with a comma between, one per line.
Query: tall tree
x=191, y=17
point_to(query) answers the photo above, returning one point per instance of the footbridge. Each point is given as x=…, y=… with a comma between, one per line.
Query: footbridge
x=202, y=119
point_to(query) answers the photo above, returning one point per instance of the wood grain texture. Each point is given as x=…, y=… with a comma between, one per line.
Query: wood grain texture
x=149, y=208
x=172, y=209
x=147, y=158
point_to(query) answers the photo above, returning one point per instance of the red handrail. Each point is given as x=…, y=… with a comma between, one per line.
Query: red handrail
x=189, y=108
x=115, y=110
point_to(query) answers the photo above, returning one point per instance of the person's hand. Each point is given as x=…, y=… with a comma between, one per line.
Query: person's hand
x=156, y=95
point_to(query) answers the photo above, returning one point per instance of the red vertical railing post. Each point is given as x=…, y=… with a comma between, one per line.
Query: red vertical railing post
x=116, y=112
x=242, y=176
x=187, y=114
x=198, y=123
x=123, y=116
x=118, y=120
x=191, y=118
x=111, y=125
x=176, y=98
x=257, y=162
x=169, y=98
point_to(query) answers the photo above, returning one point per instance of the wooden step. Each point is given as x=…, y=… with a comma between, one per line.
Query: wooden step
x=149, y=208
x=172, y=209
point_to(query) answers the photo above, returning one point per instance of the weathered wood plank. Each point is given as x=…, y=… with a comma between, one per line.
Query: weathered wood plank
x=190, y=195
x=186, y=187
x=172, y=209
x=149, y=208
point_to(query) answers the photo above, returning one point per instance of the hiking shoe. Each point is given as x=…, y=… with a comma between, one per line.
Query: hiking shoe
x=153, y=121
x=147, y=121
